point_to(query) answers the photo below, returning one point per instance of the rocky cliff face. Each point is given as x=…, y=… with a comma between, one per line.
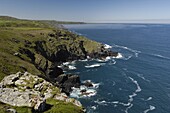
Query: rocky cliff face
x=38, y=48
x=41, y=51
x=62, y=46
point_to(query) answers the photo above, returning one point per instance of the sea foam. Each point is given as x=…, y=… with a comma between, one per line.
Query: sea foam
x=150, y=109
x=106, y=46
x=93, y=65
x=71, y=67
x=84, y=91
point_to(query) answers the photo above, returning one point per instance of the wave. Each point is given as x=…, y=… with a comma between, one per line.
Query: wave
x=161, y=56
x=71, y=67
x=103, y=62
x=114, y=83
x=137, y=74
x=85, y=60
x=106, y=46
x=66, y=63
x=84, y=91
x=142, y=77
x=135, y=82
x=136, y=52
x=149, y=98
x=93, y=66
x=130, y=100
x=103, y=102
x=126, y=111
x=119, y=56
x=151, y=108
x=94, y=107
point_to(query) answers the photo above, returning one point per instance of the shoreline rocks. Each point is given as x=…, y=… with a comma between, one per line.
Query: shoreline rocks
x=25, y=89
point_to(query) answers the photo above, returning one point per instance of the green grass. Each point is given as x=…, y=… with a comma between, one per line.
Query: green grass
x=23, y=109
x=62, y=107
x=55, y=107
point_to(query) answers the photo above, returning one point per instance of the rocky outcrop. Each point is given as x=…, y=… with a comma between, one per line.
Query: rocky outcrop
x=17, y=98
x=66, y=82
x=25, y=89
x=102, y=53
x=51, y=54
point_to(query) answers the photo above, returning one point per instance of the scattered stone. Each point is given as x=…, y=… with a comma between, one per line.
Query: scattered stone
x=16, y=54
x=25, y=89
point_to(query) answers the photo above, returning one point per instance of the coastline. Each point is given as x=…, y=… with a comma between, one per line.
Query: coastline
x=40, y=49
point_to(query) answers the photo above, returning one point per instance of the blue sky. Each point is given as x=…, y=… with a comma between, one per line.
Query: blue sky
x=87, y=10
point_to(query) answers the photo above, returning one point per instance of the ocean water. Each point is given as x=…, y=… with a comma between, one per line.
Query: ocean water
x=137, y=82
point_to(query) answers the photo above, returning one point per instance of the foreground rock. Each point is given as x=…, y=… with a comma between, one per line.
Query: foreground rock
x=25, y=89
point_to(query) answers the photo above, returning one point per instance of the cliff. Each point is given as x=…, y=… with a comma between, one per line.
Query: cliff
x=38, y=47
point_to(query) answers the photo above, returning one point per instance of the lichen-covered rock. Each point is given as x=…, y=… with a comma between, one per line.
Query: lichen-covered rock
x=10, y=80
x=25, y=89
x=18, y=98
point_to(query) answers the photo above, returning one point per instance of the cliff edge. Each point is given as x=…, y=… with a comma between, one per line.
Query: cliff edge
x=38, y=48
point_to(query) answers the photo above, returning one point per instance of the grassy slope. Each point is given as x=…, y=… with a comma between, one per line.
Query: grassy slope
x=14, y=33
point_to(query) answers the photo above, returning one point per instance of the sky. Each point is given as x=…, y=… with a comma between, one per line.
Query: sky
x=88, y=10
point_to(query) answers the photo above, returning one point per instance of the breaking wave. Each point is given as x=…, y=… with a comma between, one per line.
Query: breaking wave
x=129, y=104
x=149, y=98
x=84, y=91
x=106, y=46
x=93, y=65
x=151, y=108
x=136, y=52
x=70, y=67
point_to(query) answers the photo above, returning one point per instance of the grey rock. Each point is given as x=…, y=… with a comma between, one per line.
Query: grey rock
x=25, y=89
x=9, y=80
x=11, y=110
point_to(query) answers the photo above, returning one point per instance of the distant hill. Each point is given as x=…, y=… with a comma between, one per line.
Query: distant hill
x=7, y=21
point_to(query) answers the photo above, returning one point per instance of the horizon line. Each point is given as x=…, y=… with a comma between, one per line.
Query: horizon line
x=137, y=21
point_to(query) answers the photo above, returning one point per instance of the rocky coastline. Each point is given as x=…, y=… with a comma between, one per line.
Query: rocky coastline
x=30, y=59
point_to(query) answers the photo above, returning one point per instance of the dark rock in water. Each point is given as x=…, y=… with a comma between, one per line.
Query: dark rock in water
x=102, y=54
x=68, y=81
x=88, y=84
x=73, y=81
x=83, y=91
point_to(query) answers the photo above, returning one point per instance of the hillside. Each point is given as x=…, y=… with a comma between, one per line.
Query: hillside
x=38, y=47
x=24, y=42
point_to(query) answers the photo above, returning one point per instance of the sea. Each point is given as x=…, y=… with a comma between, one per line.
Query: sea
x=138, y=80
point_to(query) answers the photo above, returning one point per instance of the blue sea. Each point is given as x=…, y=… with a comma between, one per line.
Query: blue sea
x=138, y=81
